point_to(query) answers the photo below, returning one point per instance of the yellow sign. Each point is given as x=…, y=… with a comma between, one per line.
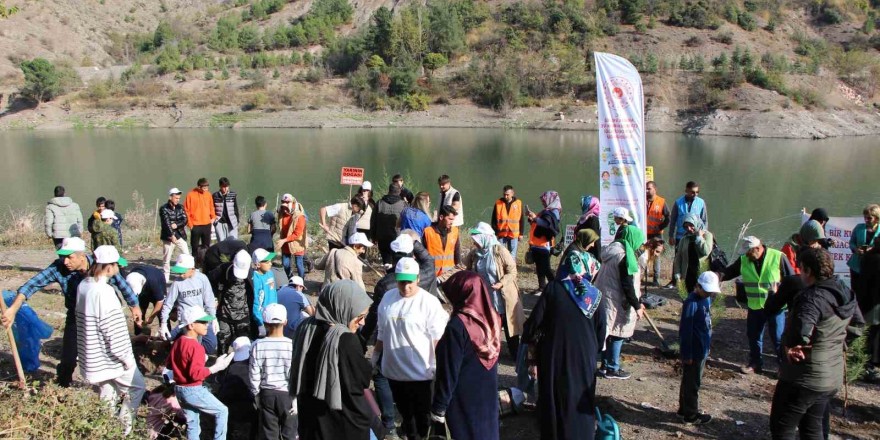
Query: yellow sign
x=649, y=174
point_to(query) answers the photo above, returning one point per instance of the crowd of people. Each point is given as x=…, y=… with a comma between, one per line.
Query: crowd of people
x=437, y=315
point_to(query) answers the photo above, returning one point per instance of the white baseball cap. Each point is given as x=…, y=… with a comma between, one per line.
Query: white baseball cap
x=261, y=255
x=296, y=280
x=71, y=245
x=367, y=185
x=748, y=242
x=274, y=314
x=402, y=244
x=174, y=191
x=108, y=213
x=136, y=281
x=241, y=264
x=360, y=238
x=709, y=282
x=108, y=254
x=184, y=263
x=407, y=269
x=193, y=314
x=242, y=348
x=621, y=212
x=287, y=197
x=482, y=228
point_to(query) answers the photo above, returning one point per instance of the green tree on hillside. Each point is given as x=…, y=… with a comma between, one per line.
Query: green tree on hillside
x=225, y=35
x=163, y=34
x=380, y=34
x=249, y=39
x=434, y=61
x=446, y=34
x=42, y=82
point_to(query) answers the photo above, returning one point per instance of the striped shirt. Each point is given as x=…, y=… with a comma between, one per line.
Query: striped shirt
x=270, y=364
x=103, y=341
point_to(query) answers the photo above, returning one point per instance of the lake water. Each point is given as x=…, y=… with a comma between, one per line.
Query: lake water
x=767, y=180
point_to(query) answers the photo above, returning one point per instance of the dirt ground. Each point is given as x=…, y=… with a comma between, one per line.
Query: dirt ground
x=644, y=405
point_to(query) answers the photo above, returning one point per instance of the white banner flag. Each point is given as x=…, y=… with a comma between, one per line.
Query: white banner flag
x=839, y=230
x=621, y=103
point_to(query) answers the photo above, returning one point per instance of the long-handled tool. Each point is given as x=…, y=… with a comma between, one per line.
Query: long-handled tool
x=21, y=379
x=366, y=263
x=665, y=349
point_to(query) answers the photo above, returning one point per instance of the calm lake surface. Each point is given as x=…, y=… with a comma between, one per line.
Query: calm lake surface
x=767, y=180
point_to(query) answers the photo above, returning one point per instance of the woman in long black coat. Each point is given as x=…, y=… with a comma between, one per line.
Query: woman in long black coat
x=565, y=337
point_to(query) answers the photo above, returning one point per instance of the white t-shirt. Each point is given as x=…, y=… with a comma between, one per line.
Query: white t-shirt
x=408, y=328
x=335, y=209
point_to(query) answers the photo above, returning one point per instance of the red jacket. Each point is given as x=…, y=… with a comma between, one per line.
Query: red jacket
x=187, y=361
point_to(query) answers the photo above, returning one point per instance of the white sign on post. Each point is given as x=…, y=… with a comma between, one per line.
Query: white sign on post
x=839, y=230
x=620, y=99
x=569, y=234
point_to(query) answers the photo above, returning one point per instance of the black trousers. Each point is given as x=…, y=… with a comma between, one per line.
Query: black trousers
x=276, y=422
x=797, y=410
x=67, y=363
x=542, y=266
x=689, y=392
x=413, y=401
x=873, y=344
x=229, y=330
x=200, y=235
x=385, y=251
x=57, y=242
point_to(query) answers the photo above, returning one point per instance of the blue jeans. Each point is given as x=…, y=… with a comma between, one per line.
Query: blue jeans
x=524, y=382
x=384, y=399
x=510, y=244
x=197, y=400
x=298, y=259
x=756, y=320
x=611, y=355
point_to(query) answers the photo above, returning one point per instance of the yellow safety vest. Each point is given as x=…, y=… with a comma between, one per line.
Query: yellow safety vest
x=759, y=286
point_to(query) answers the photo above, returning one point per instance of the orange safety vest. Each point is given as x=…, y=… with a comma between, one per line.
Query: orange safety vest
x=655, y=215
x=444, y=257
x=507, y=222
x=534, y=240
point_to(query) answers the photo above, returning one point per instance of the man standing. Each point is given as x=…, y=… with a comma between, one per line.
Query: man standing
x=63, y=218
x=173, y=219
x=658, y=220
x=450, y=196
x=405, y=193
x=385, y=219
x=410, y=323
x=762, y=270
x=689, y=203
x=508, y=220
x=69, y=270
x=441, y=240
x=200, y=215
x=226, y=211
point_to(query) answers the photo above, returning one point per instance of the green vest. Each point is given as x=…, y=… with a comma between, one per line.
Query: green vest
x=758, y=286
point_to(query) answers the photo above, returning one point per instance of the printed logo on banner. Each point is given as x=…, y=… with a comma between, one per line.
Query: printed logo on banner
x=618, y=93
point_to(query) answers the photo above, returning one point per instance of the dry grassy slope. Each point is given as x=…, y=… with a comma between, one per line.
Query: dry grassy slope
x=74, y=29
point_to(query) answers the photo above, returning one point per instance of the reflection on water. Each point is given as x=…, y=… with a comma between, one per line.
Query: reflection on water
x=764, y=180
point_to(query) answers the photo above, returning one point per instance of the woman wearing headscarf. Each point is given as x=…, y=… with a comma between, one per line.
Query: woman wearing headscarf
x=692, y=252
x=496, y=265
x=329, y=372
x=466, y=385
x=565, y=335
x=619, y=281
x=590, y=219
x=542, y=236
x=578, y=260
x=292, y=237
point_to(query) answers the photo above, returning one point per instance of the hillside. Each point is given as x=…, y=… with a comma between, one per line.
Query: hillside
x=710, y=67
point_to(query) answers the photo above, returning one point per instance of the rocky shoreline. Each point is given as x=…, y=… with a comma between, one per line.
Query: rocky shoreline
x=790, y=124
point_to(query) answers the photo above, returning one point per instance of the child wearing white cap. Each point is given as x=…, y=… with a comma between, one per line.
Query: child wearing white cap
x=104, y=233
x=235, y=388
x=265, y=292
x=293, y=298
x=190, y=288
x=106, y=359
x=695, y=336
x=271, y=358
x=234, y=288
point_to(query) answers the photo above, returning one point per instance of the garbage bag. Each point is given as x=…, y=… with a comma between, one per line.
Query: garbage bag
x=29, y=331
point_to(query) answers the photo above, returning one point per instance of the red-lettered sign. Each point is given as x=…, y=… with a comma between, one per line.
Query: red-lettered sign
x=352, y=176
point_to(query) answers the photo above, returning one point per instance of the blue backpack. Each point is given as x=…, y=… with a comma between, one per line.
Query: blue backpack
x=606, y=427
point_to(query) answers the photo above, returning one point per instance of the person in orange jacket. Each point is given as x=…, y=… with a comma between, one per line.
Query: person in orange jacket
x=292, y=238
x=200, y=215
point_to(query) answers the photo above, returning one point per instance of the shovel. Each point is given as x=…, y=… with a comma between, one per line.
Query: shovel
x=665, y=349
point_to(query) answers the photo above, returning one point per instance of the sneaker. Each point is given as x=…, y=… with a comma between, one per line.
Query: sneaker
x=698, y=419
x=670, y=285
x=617, y=374
x=601, y=372
x=653, y=284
